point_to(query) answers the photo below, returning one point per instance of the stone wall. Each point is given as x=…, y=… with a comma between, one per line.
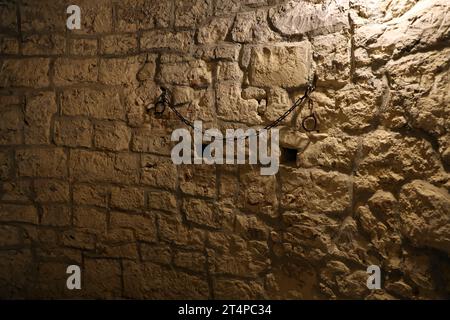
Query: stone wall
x=86, y=176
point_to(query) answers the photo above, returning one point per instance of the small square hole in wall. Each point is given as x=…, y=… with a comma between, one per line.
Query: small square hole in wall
x=288, y=156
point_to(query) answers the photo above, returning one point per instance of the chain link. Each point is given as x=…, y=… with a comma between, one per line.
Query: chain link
x=164, y=101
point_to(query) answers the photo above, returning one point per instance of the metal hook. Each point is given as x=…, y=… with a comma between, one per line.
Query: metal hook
x=312, y=84
x=305, y=121
x=312, y=117
x=160, y=107
x=163, y=101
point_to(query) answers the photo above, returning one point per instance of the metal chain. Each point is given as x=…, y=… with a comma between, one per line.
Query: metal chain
x=164, y=101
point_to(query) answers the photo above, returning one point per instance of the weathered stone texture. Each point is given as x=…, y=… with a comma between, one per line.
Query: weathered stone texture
x=144, y=227
x=257, y=193
x=83, y=47
x=231, y=107
x=9, y=45
x=300, y=17
x=201, y=213
x=119, y=44
x=42, y=163
x=155, y=39
x=91, y=219
x=191, y=73
x=145, y=140
x=94, y=195
x=133, y=15
x=215, y=31
x=119, y=71
x=86, y=176
x=75, y=71
x=56, y=216
x=11, y=121
x=172, y=230
x=18, y=213
x=283, y=65
x=113, y=136
x=5, y=165
x=333, y=55
x=162, y=200
x=38, y=16
x=15, y=271
x=425, y=214
x=252, y=26
x=14, y=75
x=18, y=191
x=38, y=115
x=97, y=17
x=43, y=44
x=73, y=132
x=51, y=191
x=8, y=16
x=102, y=278
x=127, y=198
x=100, y=166
x=150, y=281
x=394, y=159
x=101, y=104
x=227, y=289
x=316, y=191
x=158, y=172
x=198, y=180
x=192, y=12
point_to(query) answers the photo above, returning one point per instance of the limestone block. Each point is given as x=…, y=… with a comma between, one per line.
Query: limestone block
x=299, y=17
x=194, y=73
x=214, y=31
x=13, y=74
x=425, y=215
x=315, y=191
x=282, y=65
x=190, y=13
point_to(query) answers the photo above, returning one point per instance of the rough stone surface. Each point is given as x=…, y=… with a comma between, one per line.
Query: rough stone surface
x=75, y=71
x=43, y=45
x=180, y=41
x=134, y=15
x=119, y=44
x=316, y=191
x=252, y=26
x=192, y=12
x=150, y=281
x=300, y=17
x=231, y=106
x=425, y=214
x=42, y=162
x=73, y=132
x=114, y=136
x=12, y=74
x=215, y=31
x=86, y=176
x=192, y=73
x=284, y=65
x=99, y=104
x=38, y=115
